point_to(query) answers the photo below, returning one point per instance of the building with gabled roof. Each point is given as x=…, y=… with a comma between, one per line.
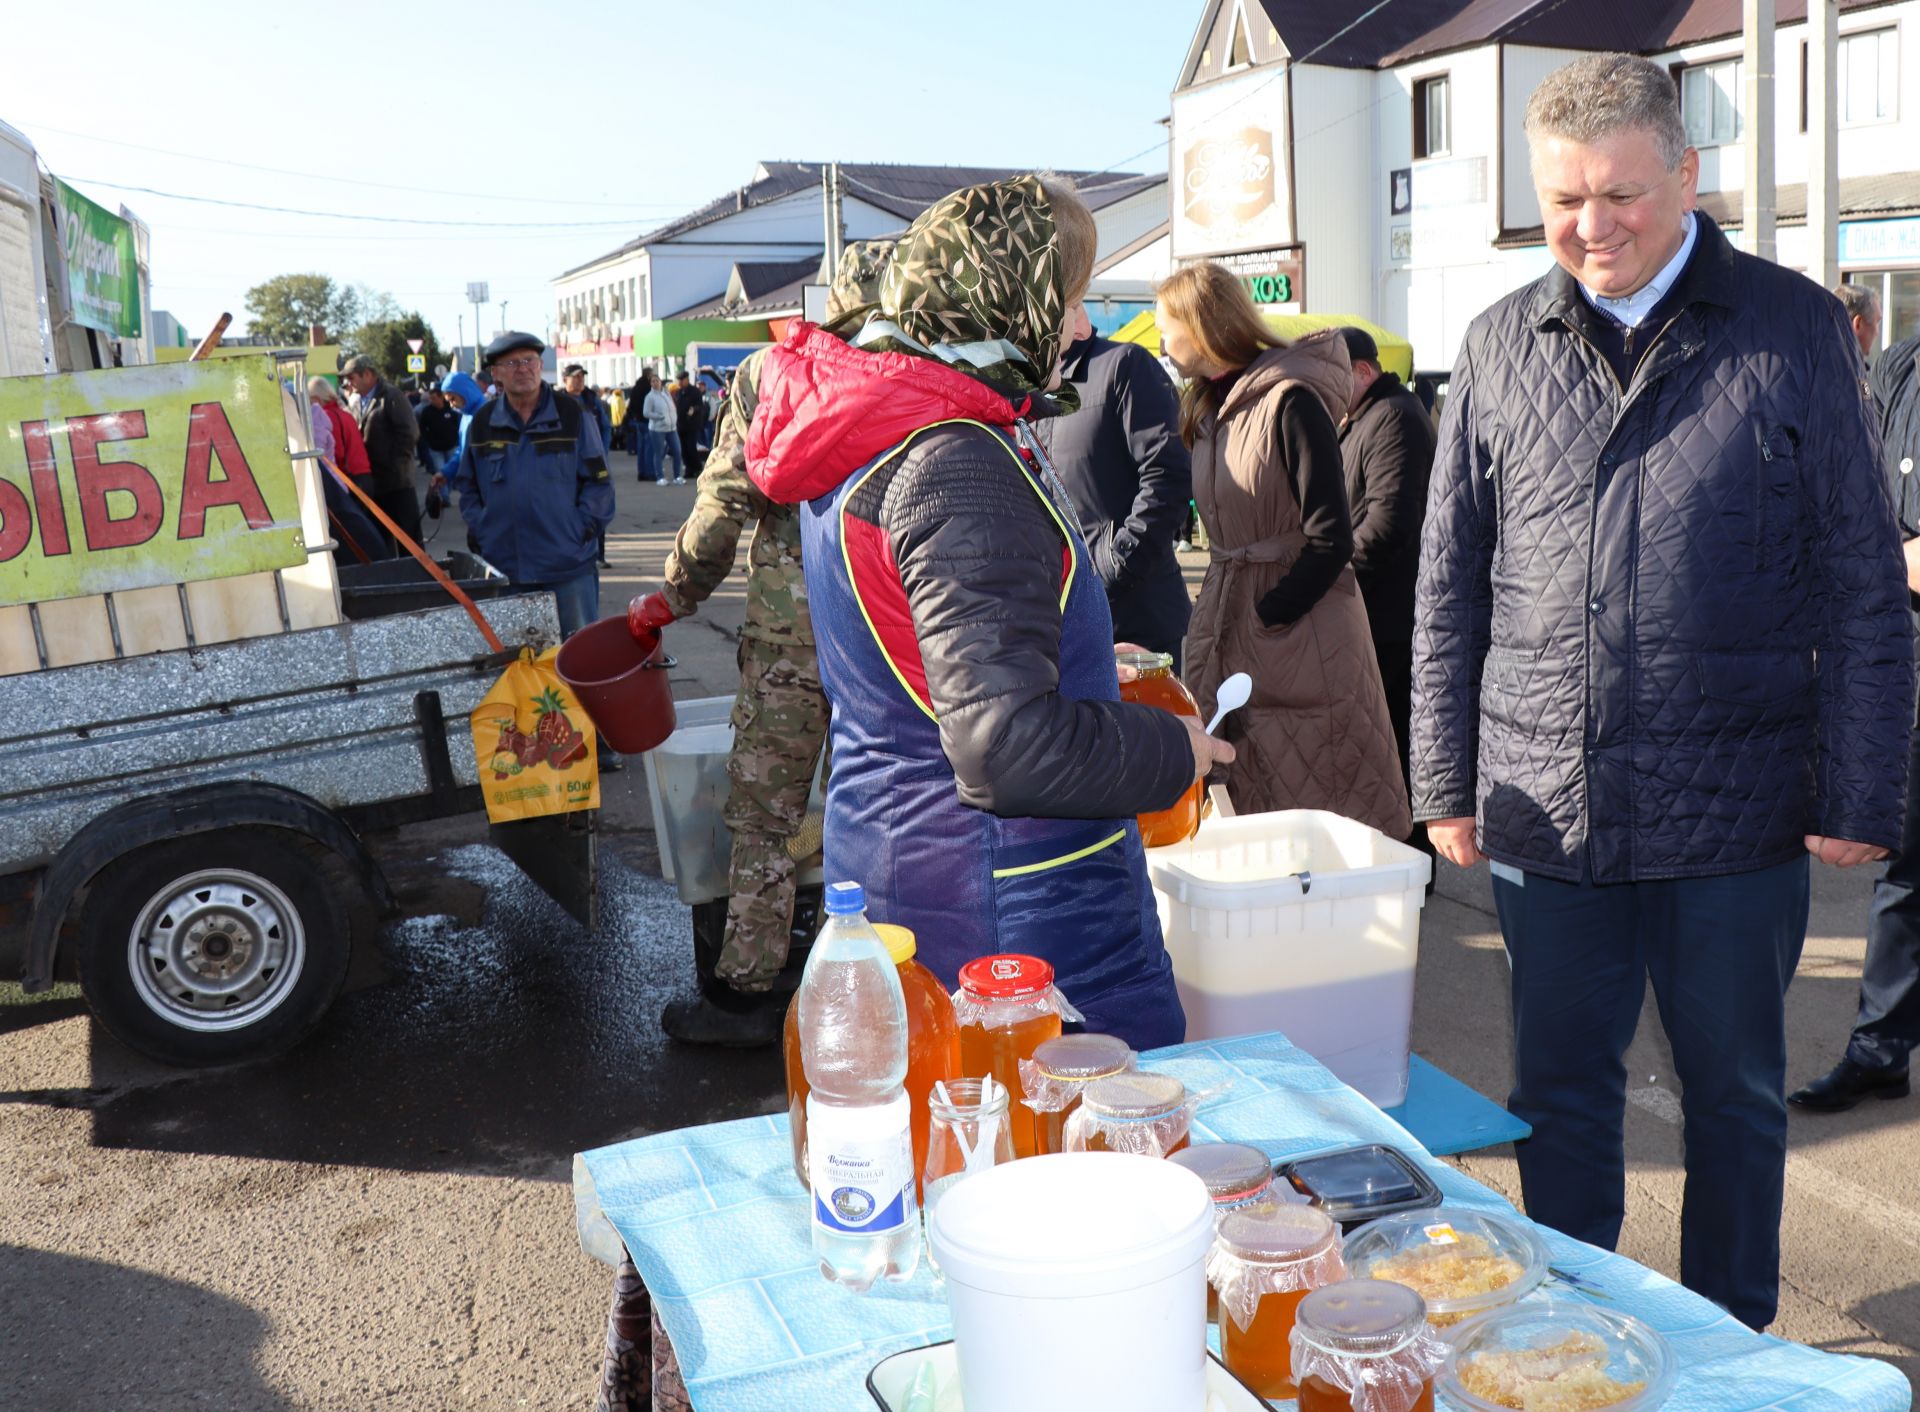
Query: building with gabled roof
x=750, y=255
x=1370, y=159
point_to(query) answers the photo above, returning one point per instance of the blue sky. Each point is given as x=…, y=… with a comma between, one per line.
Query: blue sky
x=592, y=112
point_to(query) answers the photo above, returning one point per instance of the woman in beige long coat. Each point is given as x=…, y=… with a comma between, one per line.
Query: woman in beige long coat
x=1279, y=601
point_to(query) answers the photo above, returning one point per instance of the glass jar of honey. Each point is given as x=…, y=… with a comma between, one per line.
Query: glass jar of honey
x=1238, y=1178
x=933, y=1049
x=1154, y=684
x=1007, y=1008
x=1264, y=1262
x=1059, y=1073
x=1137, y=1112
x=1365, y=1346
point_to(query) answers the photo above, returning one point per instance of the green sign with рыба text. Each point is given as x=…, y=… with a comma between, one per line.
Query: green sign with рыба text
x=103, y=270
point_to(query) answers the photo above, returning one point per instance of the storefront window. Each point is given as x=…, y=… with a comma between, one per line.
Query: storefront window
x=1902, y=304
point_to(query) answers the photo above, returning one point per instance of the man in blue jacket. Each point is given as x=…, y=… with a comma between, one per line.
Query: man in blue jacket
x=1661, y=650
x=532, y=483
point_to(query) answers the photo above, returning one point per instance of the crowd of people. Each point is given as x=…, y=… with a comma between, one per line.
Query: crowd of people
x=1632, y=623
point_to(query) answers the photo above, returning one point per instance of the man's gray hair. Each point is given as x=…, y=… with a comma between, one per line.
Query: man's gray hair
x=1861, y=302
x=360, y=363
x=1601, y=94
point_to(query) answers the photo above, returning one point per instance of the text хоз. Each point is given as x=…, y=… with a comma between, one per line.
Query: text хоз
x=210, y=438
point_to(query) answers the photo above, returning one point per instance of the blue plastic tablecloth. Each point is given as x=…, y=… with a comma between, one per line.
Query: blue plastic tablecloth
x=717, y=1226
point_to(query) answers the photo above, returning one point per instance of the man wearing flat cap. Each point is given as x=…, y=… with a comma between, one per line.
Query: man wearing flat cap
x=532, y=482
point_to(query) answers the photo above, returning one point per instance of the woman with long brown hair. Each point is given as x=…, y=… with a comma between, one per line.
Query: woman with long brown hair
x=1279, y=601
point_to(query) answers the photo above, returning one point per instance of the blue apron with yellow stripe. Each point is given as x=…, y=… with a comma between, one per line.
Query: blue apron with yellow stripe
x=969, y=883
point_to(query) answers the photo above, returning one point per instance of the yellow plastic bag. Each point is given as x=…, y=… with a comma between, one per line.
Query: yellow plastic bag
x=534, y=744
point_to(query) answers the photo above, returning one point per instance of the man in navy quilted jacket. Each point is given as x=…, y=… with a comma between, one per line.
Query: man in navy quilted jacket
x=1661, y=657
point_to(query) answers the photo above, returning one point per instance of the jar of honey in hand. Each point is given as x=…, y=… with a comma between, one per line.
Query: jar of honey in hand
x=1154, y=684
x=933, y=1050
x=1059, y=1073
x=1264, y=1262
x=1365, y=1346
x=1007, y=1008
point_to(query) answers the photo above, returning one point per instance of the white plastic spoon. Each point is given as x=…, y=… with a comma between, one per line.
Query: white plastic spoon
x=1233, y=694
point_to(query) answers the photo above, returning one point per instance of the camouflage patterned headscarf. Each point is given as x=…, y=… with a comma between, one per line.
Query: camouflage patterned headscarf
x=855, y=292
x=979, y=272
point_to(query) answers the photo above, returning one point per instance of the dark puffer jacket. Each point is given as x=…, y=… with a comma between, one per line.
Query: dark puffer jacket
x=1662, y=633
x=1896, y=387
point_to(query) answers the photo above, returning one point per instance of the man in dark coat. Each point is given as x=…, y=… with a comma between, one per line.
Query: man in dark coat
x=1386, y=449
x=690, y=416
x=1123, y=463
x=390, y=432
x=1662, y=649
x=1888, y=1025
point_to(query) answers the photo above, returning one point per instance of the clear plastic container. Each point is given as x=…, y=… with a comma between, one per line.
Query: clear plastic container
x=1563, y=1354
x=1007, y=1008
x=933, y=1049
x=853, y=1052
x=1142, y=1113
x=1059, y=1073
x=1264, y=1262
x=1462, y=1263
x=1365, y=1346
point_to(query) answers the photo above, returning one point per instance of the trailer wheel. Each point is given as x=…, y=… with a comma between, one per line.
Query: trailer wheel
x=222, y=946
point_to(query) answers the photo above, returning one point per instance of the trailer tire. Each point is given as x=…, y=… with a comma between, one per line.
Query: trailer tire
x=223, y=946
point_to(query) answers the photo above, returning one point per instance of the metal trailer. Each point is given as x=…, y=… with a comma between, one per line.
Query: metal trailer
x=183, y=828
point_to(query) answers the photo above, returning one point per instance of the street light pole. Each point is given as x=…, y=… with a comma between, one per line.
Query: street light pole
x=1823, y=143
x=1757, y=204
x=503, y=316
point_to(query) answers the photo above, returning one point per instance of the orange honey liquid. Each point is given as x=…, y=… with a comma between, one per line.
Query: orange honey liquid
x=1097, y=1142
x=1178, y=822
x=1319, y=1395
x=933, y=1056
x=1262, y=1356
x=1052, y=1129
x=999, y=1052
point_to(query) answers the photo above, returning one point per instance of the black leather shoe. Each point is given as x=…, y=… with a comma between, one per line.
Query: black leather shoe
x=700, y=1021
x=1848, y=1084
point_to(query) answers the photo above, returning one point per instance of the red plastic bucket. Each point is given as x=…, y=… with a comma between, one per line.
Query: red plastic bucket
x=623, y=690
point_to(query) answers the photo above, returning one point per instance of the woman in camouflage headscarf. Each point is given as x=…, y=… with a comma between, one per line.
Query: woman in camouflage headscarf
x=986, y=773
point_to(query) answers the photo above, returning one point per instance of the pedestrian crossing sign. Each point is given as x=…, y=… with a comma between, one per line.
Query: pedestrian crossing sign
x=416, y=362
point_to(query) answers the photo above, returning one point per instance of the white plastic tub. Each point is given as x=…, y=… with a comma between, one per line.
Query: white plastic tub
x=1299, y=921
x=1078, y=1280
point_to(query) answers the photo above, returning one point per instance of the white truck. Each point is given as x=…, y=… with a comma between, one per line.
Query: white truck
x=193, y=734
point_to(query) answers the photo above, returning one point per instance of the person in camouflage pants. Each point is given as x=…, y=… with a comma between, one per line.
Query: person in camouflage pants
x=780, y=716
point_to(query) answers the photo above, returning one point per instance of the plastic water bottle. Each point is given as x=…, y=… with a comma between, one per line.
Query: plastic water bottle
x=853, y=1050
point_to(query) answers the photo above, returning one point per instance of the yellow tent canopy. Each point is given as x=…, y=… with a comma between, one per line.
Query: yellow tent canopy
x=1396, y=354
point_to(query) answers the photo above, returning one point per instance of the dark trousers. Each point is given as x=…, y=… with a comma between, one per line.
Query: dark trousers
x=403, y=508
x=1720, y=952
x=1888, y=1027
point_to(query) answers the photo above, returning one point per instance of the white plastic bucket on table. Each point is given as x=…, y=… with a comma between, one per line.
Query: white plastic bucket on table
x=1299, y=921
x=1078, y=1280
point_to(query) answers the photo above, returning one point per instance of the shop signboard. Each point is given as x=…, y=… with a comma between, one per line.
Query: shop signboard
x=103, y=270
x=134, y=477
x=1230, y=168
x=1272, y=277
x=1880, y=242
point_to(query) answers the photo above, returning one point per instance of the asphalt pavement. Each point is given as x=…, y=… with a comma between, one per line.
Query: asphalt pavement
x=382, y=1219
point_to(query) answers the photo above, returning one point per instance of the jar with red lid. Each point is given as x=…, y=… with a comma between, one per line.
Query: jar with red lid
x=1365, y=1346
x=1007, y=1008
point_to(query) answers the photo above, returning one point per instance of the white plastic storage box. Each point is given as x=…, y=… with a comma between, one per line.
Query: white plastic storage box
x=1299, y=921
